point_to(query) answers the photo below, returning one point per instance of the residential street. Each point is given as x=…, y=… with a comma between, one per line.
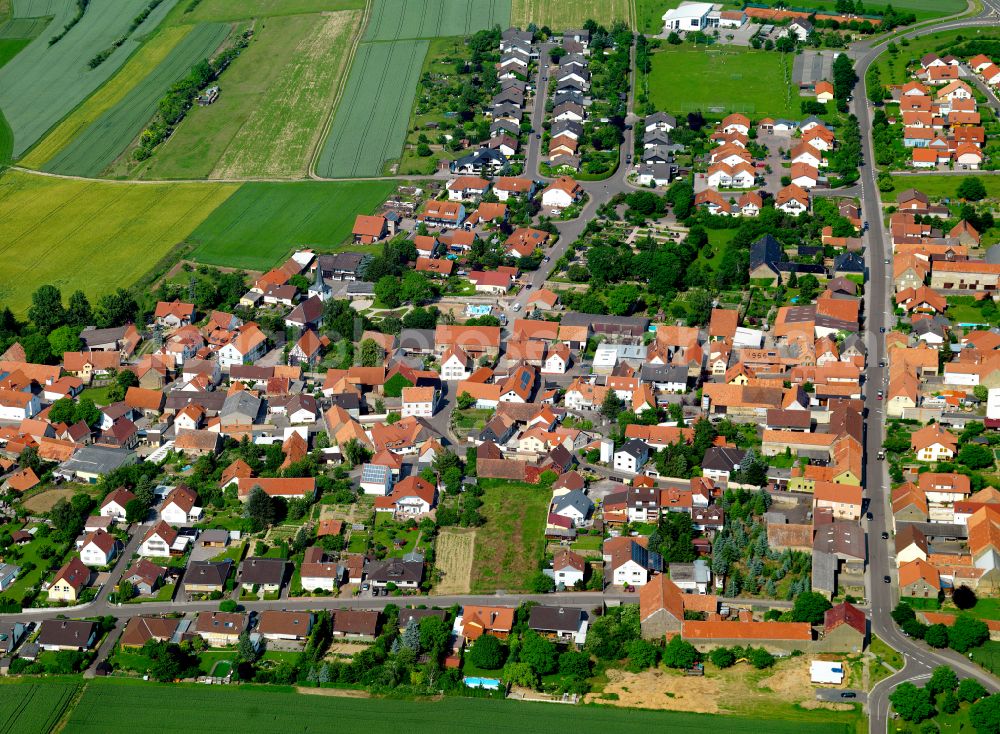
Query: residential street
x=920, y=659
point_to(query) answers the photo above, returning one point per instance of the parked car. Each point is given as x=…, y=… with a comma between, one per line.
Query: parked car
x=870, y=516
x=879, y=394
x=848, y=694
x=885, y=535
x=887, y=579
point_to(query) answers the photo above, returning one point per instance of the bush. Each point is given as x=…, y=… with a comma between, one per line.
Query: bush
x=679, y=653
x=970, y=690
x=722, y=657
x=487, y=653
x=760, y=658
x=963, y=597
x=936, y=636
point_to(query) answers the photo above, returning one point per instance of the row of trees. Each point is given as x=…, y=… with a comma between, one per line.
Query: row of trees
x=964, y=635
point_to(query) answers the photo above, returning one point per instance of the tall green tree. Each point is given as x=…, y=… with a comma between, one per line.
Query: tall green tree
x=46, y=310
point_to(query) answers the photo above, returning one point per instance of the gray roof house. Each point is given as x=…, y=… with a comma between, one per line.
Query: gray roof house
x=575, y=505
x=240, y=408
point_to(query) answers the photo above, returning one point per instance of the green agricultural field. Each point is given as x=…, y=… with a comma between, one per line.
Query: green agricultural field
x=138, y=67
x=510, y=544
x=923, y=9
x=261, y=710
x=263, y=222
x=91, y=235
x=216, y=10
x=940, y=187
x=720, y=80
x=370, y=123
x=24, y=28
x=560, y=15
x=101, y=142
x=33, y=708
x=275, y=99
x=394, y=20
x=43, y=83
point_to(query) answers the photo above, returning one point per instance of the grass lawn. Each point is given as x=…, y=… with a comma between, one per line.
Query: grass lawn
x=98, y=394
x=560, y=15
x=722, y=79
x=588, y=542
x=920, y=603
x=879, y=648
x=358, y=543
x=988, y=656
x=259, y=709
x=274, y=101
x=388, y=530
x=30, y=553
x=966, y=310
x=260, y=224
x=233, y=553
x=986, y=608
x=68, y=225
x=210, y=658
x=510, y=544
x=892, y=66
x=941, y=187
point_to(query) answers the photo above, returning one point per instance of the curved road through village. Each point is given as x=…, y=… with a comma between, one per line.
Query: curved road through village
x=920, y=659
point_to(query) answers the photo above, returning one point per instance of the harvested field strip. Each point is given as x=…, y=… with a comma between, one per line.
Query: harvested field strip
x=33, y=708
x=103, y=140
x=274, y=102
x=262, y=222
x=278, y=138
x=262, y=710
x=66, y=225
x=137, y=68
x=394, y=20
x=43, y=83
x=370, y=124
x=216, y=10
x=561, y=15
x=453, y=558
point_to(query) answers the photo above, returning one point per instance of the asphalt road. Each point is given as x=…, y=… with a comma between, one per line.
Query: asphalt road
x=919, y=659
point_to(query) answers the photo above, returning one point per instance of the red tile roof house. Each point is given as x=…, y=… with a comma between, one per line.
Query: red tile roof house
x=369, y=229
x=443, y=213
x=287, y=487
x=845, y=629
x=174, y=314
x=773, y=636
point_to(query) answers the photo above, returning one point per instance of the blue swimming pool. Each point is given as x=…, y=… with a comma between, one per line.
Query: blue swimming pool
x=472, y=309
x=490, y=684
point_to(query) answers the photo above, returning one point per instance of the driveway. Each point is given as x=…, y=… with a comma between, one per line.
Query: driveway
x=836, y=695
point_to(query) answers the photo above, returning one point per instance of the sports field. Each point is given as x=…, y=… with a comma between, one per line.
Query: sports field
x=43, y=83
x=138, y=67
x=262, y=222
x=275, y=99
x=91, y=235
x=393, y=20
x=560, y=15
x=721, y=80
x=258, y=709
x=216, y=10
x=33, y=708
x=103, y=140
x=370, y=123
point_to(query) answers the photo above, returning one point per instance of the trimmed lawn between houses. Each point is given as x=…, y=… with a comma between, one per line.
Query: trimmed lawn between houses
x=941, y=187
x=721, y=79
x=510, y=544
